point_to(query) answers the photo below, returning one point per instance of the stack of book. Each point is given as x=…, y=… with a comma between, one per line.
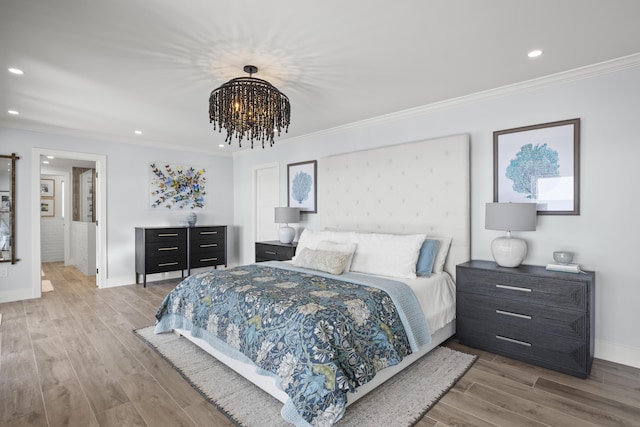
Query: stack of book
x=567, y=268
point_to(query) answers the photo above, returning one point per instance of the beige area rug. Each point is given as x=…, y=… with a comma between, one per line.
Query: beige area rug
x=47, y=286
x=401, y=401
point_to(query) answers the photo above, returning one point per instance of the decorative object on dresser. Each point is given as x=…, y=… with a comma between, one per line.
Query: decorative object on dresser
x=285, y=216
x=164, y=249
x=274, y=250
x=192, y=218
x=539, y=164
x=302, y=188
x=510, y=251
x=527, y=313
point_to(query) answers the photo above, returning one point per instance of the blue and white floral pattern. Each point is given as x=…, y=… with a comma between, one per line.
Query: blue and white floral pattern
x=322, y=337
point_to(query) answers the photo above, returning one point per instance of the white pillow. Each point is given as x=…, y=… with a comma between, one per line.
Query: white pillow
x=441, y=256
x=330, y=262
x=310, y=238
x=387, y=254
x=348, y=248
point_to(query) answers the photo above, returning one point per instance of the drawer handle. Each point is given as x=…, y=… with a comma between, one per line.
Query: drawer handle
x=513, y=288
x=208, y=232
x=165, y=264
x=210, y=245
x=508, y=313
x=208, y=259
x=522, y=343
x=270, y=252
x=171, y=248
x=167, y=234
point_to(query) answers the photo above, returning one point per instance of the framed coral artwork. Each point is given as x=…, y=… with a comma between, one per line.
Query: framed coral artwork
x=302, y=189
x=540, y=164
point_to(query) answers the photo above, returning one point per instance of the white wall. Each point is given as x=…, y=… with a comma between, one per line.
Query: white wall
x=604, y=236
x=127, y=200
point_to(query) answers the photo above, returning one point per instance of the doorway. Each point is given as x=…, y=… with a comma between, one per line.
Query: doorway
x=99, y=192
x=266, y=196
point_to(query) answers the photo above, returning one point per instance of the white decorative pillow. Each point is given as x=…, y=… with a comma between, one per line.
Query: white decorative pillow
x=330, y=262
x=348, y=248
x=443, y=251
x=310, y=238
x=387, y=254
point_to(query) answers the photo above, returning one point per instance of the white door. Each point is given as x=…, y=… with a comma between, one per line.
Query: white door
x=266, y=197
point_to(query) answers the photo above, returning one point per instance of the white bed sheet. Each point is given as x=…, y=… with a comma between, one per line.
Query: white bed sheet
x=437, y=297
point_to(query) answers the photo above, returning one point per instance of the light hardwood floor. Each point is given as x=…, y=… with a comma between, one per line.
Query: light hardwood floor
x=70, y=359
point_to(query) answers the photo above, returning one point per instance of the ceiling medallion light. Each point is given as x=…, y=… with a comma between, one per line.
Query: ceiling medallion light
x=249, y=108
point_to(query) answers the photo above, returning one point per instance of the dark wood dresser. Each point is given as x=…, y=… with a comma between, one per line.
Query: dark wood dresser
x=528, y=313
x=274, y=250
x=163, y=249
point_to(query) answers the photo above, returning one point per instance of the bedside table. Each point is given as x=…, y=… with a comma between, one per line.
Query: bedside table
x=527, y=313
x=274, y=250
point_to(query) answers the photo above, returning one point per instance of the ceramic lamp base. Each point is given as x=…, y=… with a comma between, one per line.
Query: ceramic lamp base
x=508, y=251
x=286, y=234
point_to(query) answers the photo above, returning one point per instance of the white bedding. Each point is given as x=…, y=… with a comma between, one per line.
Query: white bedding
x=437, y=297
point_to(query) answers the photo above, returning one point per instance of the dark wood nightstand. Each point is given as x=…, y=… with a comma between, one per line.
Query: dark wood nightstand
x=274, y=250
x=528, y=313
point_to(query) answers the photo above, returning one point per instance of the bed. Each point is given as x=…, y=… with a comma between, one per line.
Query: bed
x=370, y=244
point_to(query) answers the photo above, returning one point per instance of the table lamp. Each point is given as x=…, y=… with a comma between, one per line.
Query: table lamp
x=510, y=251
x=286, y=216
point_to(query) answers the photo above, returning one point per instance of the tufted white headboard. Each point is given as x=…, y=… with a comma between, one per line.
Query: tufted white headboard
x=418, y=187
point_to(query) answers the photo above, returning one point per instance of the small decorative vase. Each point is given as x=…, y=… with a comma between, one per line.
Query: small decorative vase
x=192, y=218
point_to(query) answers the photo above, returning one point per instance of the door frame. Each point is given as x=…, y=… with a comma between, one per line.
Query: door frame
x=101, y=214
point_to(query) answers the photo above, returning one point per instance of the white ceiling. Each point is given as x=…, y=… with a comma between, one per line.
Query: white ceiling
x=104, y=68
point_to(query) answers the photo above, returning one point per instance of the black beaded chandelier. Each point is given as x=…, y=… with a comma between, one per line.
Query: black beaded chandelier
x=249, y=107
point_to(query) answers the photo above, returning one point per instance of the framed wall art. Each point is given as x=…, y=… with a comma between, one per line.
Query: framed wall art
x=47, y=207
x=47, y=188
x=302, y=188
x=174, y=186
x=539, y=164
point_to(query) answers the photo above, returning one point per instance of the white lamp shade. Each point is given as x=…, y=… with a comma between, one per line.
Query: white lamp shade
x=286, y=215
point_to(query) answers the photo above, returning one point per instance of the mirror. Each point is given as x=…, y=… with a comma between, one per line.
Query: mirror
x=7, y=208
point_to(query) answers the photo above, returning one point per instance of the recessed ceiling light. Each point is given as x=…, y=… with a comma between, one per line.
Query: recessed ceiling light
x=50, y=157
x=16, y=71
x=137, y=132
x=14, y=112
x=221, y=145
x=534, y=53
x=46, y=162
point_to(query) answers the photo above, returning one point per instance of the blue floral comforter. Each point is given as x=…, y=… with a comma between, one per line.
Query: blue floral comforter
x=320, y=336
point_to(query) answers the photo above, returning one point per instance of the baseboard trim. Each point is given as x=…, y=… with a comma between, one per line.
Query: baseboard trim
x=617, y=353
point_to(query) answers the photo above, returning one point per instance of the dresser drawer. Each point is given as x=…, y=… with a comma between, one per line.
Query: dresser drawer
x=165, y=234
x=207, y=233
x=266, y=251
x=555, y=352
x=207, y=245
x=160, y=264
x=207, y=259
x=530, y=289
x=176, y=249
x=496, y=311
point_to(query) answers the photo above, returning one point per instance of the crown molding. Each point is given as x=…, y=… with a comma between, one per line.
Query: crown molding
x=606, y=67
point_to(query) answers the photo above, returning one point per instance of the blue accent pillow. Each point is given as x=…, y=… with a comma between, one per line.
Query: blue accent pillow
x=427, y=256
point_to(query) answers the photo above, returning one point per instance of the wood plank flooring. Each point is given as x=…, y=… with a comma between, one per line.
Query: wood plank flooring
x=70, y=359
